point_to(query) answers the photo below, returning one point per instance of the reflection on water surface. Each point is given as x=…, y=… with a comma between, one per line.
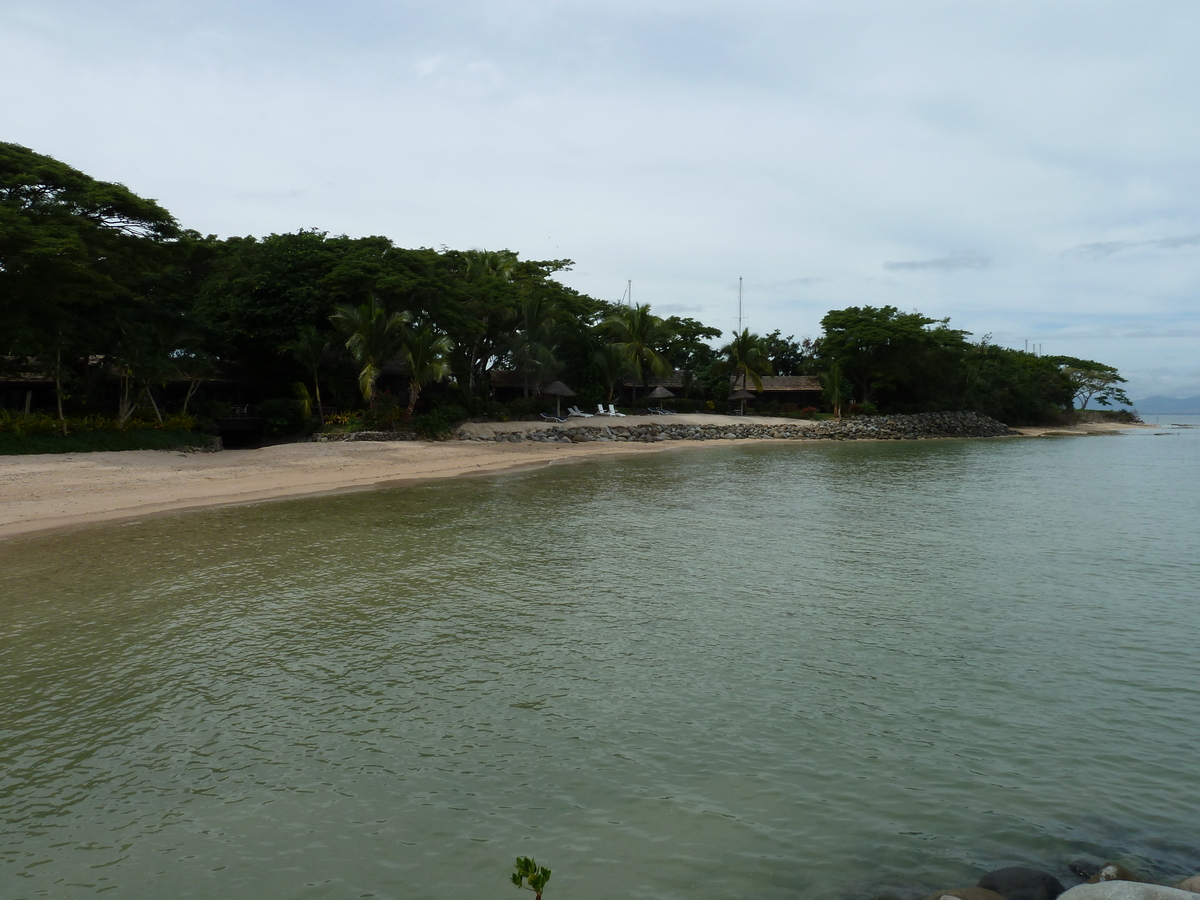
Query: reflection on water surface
x=771, y=671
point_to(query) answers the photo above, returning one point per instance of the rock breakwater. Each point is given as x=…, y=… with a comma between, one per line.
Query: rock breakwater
x=912, y=427
x=341, y=437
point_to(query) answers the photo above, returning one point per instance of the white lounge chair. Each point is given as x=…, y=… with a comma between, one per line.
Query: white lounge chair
x=551, y=417
x=576, y=411
x=600, y=411
x=612, y=411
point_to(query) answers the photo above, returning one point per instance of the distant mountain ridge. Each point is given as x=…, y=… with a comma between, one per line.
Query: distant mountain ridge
x=1155, y=406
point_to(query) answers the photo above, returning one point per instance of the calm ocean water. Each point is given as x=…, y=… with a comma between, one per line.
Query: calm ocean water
x=772, y=671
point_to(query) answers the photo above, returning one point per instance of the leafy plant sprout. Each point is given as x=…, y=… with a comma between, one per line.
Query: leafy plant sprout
x=529, y=871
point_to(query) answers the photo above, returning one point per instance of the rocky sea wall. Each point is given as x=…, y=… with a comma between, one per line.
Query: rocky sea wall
x=912, y=427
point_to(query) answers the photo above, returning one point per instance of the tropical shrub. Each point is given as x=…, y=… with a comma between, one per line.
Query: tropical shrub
x=528, y=871
x=44, y=423
x=283, y=415
x=440, y=422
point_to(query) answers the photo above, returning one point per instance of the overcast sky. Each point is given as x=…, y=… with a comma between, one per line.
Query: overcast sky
x=1028, y=169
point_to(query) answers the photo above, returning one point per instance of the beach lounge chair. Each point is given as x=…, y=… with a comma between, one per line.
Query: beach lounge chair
x=612, y=411
x=551, y=417
x=600, y=411
x=576, y=411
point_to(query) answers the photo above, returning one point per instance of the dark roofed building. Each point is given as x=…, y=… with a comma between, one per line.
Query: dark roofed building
x=802, y=389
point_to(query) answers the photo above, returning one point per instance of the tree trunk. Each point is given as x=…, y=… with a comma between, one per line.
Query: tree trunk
x=126, y=405
x=58, y=391
x=153, y=405
x=193, y=386
x=414, y=393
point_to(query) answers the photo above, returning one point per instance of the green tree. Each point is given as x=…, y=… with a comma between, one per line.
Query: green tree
x=309, y=350
x=745, y=357
x=1014, y=386
x=75, y=254
x=425, y=357
x=490, y=307
x=789, y=356
x=885, y=349
x=373, y=337
x=1092, y=380
x=612, y=366
x=837, y=389
x=638, y=333
x=687, y=346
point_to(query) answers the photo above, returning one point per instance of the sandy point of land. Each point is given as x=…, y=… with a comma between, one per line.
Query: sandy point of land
x=43, y=492
x=1082, y=428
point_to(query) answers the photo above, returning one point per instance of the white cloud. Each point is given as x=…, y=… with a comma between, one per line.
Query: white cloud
x=677, y=144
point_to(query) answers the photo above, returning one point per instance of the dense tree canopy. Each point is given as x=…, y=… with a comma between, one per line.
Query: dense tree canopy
x=101, y=291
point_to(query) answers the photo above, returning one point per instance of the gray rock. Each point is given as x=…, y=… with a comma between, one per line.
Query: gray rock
x=1125, y=890
x=1190, y=884
x=1113, y=872
x=1019, y=883
x=971, y=893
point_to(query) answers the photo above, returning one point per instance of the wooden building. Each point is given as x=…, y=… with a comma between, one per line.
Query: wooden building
x=803, y=390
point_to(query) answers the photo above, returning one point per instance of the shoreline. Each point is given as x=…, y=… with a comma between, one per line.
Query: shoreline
x=46, y=493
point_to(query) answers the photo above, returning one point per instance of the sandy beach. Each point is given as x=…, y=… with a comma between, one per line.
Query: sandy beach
x=44, y=492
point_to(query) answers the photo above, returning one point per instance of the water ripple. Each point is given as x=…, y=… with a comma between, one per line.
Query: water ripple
x=759, y=672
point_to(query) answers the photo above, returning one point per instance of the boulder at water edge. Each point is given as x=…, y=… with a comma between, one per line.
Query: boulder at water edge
x=974, y=893
x=1113, y=872
x=1190, y=884
x=1019, y=883
x=1125, y=890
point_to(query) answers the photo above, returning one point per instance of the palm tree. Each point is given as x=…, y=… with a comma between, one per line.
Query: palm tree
x=424, y=354
x=309, y=350
x=612, y=366
x=489, y=275
x=746, y=356
x=639, y=333
x=373, y=337
x=533, y=344
x=836, y=388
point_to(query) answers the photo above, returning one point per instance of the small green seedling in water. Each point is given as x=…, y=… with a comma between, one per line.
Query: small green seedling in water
x=529, y=870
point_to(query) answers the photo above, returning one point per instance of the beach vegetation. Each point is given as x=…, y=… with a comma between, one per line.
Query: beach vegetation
x=283, y=415
x=1090, y=380
x=373, y=337
x=108, y=307
x=309, y=349
x=637, y=336
x=425, y=357
x=745, y=358
x=531, y=876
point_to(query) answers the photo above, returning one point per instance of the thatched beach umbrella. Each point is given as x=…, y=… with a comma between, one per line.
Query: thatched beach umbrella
x=558, y=390
x=742, y=395
x=659, y=393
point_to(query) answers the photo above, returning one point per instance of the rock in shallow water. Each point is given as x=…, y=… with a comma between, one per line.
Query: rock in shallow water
x=1125, y=890
x=1019, y=883
x=1113, y=872
x=974, y=893
x=1190, y=884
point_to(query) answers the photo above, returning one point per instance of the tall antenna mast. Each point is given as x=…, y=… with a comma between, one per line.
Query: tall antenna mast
x=629, y=291
x=739, y=329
